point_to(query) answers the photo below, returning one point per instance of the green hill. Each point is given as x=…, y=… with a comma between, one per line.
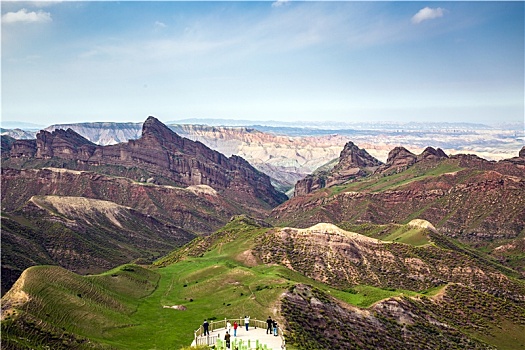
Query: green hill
x=228, y=274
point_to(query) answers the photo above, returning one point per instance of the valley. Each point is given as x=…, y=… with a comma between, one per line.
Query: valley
x=409, y=250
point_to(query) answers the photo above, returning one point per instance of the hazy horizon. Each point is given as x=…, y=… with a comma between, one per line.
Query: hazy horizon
x=68, y=61
x=11, y=124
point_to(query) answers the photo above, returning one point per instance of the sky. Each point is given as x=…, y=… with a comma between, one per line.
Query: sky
x=70, y=61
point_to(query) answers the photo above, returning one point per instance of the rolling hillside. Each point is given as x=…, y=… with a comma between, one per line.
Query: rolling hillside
x=237, y=271
x=82, y=235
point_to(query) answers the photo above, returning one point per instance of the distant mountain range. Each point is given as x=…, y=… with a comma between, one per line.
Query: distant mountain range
x=288, y=153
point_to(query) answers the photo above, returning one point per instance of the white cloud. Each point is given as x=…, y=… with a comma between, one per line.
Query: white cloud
x=27, y=17
x=427, y=13
x=160, y=25
x=280, y=3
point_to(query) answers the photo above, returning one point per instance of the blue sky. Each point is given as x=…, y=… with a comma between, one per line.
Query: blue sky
x=297, y=61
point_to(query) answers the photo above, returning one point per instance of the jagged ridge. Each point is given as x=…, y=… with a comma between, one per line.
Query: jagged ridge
x=354, y=163
x=160, y=152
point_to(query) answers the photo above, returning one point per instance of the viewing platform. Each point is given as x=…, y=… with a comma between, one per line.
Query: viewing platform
x=254, y=338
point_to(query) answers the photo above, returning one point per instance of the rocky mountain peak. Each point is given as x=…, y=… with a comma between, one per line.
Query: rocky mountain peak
x=162, y=155
x=62, y=143
x=400, y=155
x=431, y=153
x=153, y=130
x=401, y=158
x=68, y=136
x=354, y=162
x=354, y=157
x=522, y=152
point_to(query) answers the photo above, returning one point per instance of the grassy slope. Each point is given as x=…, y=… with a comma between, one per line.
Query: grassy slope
x=418, y=172
x=138, y=320
x=63, y=303
x=123, y=308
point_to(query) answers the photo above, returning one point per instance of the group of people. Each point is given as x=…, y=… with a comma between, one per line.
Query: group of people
x=272, y=326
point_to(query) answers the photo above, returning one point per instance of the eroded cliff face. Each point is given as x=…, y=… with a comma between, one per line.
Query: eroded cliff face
x=161, y=153
x=353, y=163
x=192, y=208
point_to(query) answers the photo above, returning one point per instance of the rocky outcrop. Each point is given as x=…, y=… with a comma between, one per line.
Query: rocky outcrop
x=163, y=155
x=353, y=163
x=353, y=157
x=20, y=148
x=400, y=159
x=65, y=144
x=430, y=153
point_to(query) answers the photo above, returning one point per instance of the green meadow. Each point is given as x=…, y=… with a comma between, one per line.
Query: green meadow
x=130, y=307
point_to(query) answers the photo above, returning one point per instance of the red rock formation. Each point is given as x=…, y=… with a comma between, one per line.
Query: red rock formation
x=65, y=144
x=399, y=159
x=432, y=154
x=21, y=149
x=165, y=156
x=354, y=163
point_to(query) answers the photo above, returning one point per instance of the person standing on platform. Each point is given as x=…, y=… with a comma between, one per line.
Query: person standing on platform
x=235, y=325
x=269, y=322
x=247, y=322
x=227, y=340
x=205, y=325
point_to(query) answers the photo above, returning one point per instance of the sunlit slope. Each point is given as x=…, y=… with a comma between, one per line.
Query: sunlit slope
x=247, y=268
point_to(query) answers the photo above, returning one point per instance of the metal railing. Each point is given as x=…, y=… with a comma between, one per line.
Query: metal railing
x=211, y=339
